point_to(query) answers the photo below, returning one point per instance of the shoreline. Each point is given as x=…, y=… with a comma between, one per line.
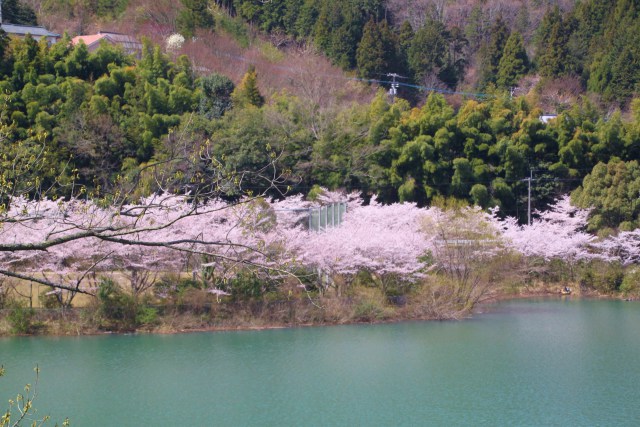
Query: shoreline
x=168, y=330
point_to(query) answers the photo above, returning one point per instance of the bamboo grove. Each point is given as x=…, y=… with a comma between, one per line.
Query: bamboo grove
x=104, y=117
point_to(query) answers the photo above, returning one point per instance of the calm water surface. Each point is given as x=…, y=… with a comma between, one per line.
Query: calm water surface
x=566, y=362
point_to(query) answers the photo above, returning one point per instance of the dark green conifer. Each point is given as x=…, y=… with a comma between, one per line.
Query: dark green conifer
x=428, y=50
x=216, y=95
x=370, y=54
x=514, y=63
x=376, y=51
x=404, y=38
x=194, y=15
x=491, y=53
x=16, y=13
x=553, y=56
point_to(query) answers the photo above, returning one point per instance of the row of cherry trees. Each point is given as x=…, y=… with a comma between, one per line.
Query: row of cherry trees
x=65, y=244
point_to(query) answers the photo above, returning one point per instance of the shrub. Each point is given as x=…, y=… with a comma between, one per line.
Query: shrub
x=21, y=319
x=368, y=311
x=194, y=300
x=370, y=305
x=235, y=27
x=146, y=315
x=602, y=276
x=248, y=285
x=116, y=308
x=173, y=287
x=48, y=299
x=631, y=282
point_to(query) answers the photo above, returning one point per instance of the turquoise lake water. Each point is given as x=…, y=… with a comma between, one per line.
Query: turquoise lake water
x=546, y=362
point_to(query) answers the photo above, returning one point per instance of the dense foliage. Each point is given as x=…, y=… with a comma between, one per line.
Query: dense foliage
x=103, y=117
x=99, y=114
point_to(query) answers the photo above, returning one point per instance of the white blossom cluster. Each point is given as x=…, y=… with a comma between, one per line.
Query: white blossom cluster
x=174, y=42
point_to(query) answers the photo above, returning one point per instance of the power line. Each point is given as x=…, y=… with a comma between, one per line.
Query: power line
x=378, y=81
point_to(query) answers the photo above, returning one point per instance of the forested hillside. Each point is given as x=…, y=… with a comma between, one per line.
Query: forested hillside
x=574, y=47
x=475, y=45
x=104, y=116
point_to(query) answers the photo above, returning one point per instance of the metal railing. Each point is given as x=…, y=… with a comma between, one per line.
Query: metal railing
x=327, y=216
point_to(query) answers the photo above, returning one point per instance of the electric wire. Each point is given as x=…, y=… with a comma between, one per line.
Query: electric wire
x=293, y=70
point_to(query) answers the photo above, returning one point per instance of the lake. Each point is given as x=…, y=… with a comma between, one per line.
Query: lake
x=524, y=362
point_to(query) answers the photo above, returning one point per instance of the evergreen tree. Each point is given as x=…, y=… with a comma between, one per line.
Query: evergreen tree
x=375, y=54
x=306, y=19
x=428, y=51
x=16, y=13
x=194, y=15
x=462, y=178
x=404, y=38
x=390, y=45
x=553, y=55
x=625, y=74
x=370, y=55
x=616, y=52
x=591, y=17
x=491, y=53
x=267, y=15
x=612, y=191
x=456, y=61
x=475, y=28
x=247, y=93
x=514, y=63
x=344, y=40
x=215, y=99
x=328, y=18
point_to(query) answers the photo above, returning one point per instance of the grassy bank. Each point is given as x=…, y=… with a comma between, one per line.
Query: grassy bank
x=200, y=311
x=175, y=303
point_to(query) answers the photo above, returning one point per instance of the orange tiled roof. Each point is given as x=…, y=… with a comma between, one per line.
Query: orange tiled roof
x=88, y=40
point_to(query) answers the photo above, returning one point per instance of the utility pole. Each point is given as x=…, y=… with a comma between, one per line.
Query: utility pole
x=529, y=198
x=393, y=91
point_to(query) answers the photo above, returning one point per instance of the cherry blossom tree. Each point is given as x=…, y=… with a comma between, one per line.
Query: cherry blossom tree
x=555, y=233
x=79, y=236
x=623, y=248
x=464, y=240
x=121, y=229
x=63, y=244
x=383, y=240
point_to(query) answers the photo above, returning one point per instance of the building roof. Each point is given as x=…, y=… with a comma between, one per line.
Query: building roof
x=28, y=29
x=546, y=118
x=128, y=42
x=88, y=40
x=120, y=38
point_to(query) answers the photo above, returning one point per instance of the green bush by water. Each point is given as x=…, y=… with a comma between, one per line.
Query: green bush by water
x=22, y=319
